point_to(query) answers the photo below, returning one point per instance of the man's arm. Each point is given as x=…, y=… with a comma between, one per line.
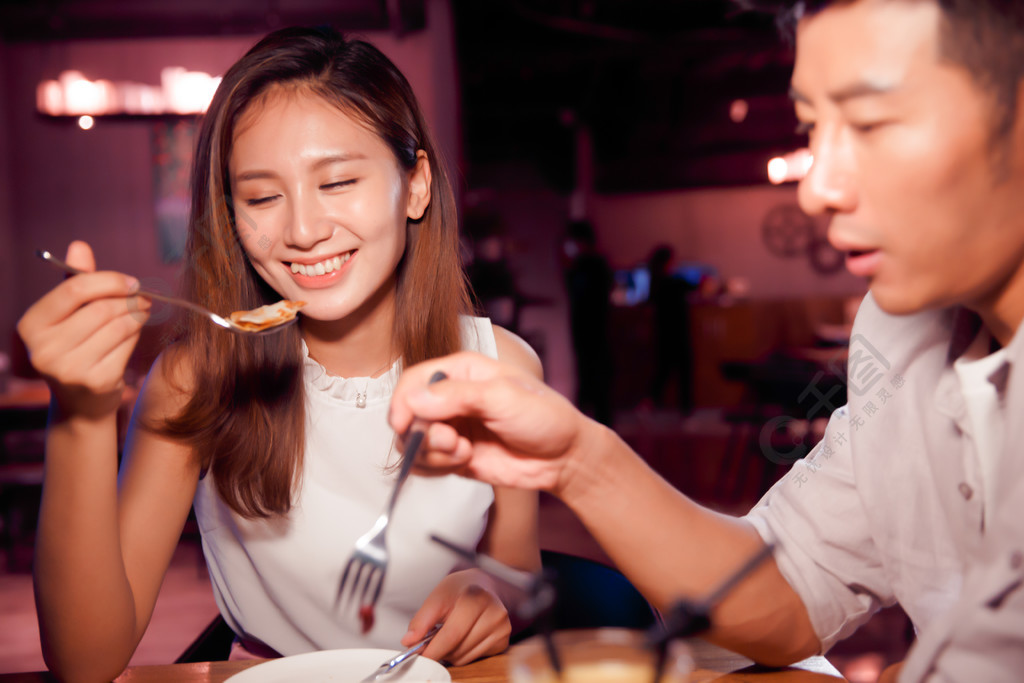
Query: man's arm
x=671, y=547
x=509, y=429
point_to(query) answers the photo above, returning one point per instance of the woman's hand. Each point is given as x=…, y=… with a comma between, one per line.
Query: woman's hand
x=475, y=622
x=493, y=422
x=81, y=334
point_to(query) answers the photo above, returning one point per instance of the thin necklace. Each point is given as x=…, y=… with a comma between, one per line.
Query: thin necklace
x=361, y=395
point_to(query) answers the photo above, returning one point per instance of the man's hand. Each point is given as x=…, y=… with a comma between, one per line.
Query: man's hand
x=492, y=422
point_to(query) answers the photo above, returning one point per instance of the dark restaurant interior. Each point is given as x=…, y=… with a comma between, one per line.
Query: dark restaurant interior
x=654, y=122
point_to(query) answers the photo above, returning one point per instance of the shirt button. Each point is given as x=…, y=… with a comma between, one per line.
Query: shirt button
x=965, y=490
x=1016, y=559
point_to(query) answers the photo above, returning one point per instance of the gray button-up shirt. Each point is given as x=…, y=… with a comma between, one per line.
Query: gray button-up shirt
x=890, y=505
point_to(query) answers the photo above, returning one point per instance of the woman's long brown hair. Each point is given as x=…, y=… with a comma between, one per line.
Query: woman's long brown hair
x=245, y=418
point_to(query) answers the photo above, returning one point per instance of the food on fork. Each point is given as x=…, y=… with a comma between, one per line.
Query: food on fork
x=268, y=316
x=366, y=617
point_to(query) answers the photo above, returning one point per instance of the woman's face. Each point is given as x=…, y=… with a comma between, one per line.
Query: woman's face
x=321, y=203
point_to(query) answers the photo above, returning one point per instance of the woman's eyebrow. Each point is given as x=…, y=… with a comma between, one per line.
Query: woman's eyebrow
x=254, y=175
x=337, y=158
x=259, y=174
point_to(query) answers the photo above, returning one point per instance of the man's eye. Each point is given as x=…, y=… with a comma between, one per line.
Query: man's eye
x=866, y=127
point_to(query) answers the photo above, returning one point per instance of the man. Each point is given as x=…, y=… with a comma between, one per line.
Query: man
x=915, y=492
x=589, y=281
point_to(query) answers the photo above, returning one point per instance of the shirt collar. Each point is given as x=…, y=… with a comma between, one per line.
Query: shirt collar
x=965, y=327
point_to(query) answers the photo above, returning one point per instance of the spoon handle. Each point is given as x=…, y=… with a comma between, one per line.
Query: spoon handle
x=149, y=294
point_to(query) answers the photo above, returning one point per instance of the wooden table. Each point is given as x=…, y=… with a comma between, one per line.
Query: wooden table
x=713, y=663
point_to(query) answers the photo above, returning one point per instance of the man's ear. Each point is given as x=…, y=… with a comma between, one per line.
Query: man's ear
x=419, y=187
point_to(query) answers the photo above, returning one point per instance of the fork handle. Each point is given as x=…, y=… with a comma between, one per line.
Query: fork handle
x=412, y=448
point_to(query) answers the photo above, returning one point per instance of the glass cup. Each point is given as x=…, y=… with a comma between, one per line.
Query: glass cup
x=601, y=655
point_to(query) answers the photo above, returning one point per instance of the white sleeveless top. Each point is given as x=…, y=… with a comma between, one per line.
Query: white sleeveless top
x=276, y=580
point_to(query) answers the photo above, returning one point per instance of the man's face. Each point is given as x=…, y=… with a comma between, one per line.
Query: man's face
x=904, y=161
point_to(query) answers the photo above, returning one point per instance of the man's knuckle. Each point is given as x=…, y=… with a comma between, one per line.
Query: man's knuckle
x=474, y=591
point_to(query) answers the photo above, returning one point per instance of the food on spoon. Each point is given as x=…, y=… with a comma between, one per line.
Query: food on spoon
x=268, y=316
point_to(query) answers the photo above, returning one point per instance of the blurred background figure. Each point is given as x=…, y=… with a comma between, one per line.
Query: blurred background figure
x=673, y=347
x=5, y=370
x=489, y=272
x=589, y=281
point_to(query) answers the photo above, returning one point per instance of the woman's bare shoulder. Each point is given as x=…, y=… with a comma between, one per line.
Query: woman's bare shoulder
x=513, y=349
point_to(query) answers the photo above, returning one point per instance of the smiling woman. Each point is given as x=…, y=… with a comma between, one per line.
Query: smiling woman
x=299, y=183
x=315, y=180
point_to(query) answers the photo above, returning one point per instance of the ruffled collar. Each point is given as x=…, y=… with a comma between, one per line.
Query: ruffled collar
x=348, y=389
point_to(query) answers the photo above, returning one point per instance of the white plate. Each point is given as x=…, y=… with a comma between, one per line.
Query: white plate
x=341, y=666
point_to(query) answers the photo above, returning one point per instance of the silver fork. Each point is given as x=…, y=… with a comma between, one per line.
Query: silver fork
x=369, y=561
x=226, y=323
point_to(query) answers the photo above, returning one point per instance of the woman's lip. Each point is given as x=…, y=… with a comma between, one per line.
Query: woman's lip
x=321, y=281
x=863, y=262
x=314, y=261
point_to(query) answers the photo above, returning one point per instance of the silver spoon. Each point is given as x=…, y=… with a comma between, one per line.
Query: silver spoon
x=390, y=665
x=226, y=323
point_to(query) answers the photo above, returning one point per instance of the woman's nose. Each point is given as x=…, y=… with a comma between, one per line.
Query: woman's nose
x=309, y=222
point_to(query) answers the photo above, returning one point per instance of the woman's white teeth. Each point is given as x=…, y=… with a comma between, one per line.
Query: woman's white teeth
x=322, y=268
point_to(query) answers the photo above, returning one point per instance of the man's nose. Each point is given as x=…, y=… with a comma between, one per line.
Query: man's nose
x=830, y=183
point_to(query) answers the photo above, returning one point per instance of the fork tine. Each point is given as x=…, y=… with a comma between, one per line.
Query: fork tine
x=366, y=580
x=361, y=584
x=345, y=583
x=377, y=576
x=344, y=576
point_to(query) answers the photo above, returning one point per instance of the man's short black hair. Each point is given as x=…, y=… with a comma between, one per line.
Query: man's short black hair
x=985, y=36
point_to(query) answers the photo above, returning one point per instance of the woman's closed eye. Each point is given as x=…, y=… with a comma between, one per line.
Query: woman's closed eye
x=338, y=184
x=257, y=201
x=260, y=201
